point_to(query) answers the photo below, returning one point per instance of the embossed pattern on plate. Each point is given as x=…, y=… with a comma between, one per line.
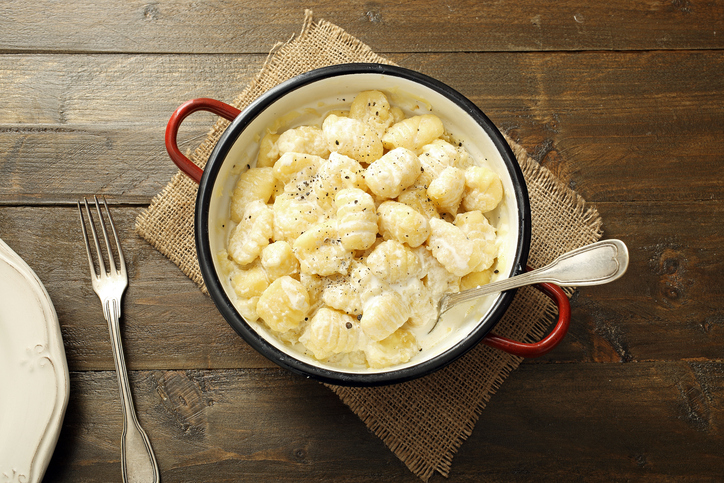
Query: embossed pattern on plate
x=34, y=385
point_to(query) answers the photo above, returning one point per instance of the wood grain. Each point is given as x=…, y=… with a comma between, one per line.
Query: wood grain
x=623, y=101
x=590, y=117
x=183, y=26
x=85, y=89
x=667, y=307
x=166, y=321
x=222, y=426
x=553, y=421
x=601, y=422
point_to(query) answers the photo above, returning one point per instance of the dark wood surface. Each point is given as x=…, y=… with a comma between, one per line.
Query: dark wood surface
x=624, y=101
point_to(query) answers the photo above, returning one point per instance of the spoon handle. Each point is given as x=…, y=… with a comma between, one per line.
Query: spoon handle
x=593, y=264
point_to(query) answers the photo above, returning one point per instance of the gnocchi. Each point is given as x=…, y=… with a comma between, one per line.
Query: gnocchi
x=356, y=218
x=393, y=172
x=352, y=138
x=253, y=185
x=413, y=133
x=252, y=234
x=397, y=221
x=304, y=139
x=330, y=332
x=345, y=234
x=446, y=191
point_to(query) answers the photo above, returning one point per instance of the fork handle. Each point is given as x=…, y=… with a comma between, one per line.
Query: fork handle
x=138, y=463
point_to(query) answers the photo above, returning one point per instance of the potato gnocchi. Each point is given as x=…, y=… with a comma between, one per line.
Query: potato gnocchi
x=345, y=235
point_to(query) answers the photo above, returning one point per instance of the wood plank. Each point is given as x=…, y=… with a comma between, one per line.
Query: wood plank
x=667, y=307
x=52, y=89
x=597, y=117
x=601, y=422
x=182, y=26
x=166, y=321
x=268, y=425
x=669, y=304
x=101, y=119
x=42, y=165
x=260, y=425
x=623, y=101
x=638, y=113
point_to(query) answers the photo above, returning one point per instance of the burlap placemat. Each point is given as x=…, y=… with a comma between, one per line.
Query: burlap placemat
x=424, y=421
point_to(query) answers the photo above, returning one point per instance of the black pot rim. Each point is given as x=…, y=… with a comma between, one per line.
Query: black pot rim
x=251, y=336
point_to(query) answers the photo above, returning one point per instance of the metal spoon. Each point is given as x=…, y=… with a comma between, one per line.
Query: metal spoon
x=593, y=264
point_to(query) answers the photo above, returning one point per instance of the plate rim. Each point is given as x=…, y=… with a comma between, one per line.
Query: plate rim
x=55, y=353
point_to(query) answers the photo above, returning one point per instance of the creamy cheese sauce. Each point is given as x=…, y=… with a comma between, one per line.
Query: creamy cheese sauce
x=426, y=340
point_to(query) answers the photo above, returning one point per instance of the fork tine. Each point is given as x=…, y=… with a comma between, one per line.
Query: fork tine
x=111, y=259
x=121, y=260
x=85, y=239
x=101, y=263
x=138, y=462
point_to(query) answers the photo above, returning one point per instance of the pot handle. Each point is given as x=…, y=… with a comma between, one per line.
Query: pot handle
x=203, y=104
x=549, y=342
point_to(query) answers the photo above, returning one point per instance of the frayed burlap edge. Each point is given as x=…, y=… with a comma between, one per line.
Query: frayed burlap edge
x=536, y=174
x=167, y=224
x=421, y=464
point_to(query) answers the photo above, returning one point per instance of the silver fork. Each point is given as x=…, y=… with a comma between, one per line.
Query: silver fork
x=138, y=463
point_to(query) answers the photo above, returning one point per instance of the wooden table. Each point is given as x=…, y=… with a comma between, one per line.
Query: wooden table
x=624, y=101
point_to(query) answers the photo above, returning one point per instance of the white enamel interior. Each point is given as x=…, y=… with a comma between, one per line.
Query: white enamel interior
x=307, y=105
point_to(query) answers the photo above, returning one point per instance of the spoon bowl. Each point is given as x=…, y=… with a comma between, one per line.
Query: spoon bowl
x=594, y=264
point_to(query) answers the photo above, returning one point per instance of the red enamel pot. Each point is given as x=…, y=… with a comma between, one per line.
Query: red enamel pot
x=300, y=101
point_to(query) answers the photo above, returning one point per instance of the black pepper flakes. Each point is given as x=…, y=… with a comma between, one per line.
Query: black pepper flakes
x=348, y=325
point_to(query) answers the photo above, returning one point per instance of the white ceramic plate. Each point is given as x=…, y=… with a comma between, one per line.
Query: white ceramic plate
x=34, y=383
